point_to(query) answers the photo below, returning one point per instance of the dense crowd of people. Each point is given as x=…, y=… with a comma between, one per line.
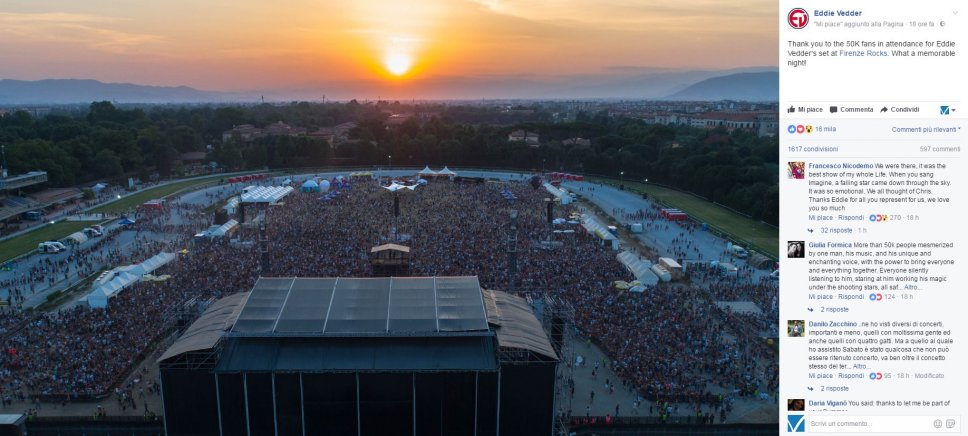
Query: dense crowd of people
x=671, y=342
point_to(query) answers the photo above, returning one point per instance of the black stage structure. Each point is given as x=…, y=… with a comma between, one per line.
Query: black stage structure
x=362, y=356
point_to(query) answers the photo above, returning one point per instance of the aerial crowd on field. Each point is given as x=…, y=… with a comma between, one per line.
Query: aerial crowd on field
x=670, y=341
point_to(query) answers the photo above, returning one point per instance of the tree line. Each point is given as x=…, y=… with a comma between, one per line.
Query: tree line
x=106, y=142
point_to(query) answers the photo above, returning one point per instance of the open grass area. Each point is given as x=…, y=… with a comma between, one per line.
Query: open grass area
x=27, y=242
x=134, y=200
x=761, y=236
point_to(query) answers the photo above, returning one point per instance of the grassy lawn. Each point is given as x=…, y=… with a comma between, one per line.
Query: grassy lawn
x=763, y=237
x=135, y=200
x=28, y=241
x=24, y=243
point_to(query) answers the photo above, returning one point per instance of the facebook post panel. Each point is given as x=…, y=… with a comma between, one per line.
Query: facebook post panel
x=872, y=127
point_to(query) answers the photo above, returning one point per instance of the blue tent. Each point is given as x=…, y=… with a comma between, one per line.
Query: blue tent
x=309, y=186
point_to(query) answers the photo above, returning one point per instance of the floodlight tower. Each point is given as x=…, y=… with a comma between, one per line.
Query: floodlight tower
x=512, y=249
x=264, y=247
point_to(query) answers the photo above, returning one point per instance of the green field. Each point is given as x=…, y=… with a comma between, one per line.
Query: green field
x=134, y=200
x=759, y=236
x=27, y=242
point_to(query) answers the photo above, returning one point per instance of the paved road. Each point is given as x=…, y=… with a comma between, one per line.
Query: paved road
x=659, y=234
x=37, y=293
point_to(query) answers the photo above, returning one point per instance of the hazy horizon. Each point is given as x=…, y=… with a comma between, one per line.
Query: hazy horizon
x=401, y=50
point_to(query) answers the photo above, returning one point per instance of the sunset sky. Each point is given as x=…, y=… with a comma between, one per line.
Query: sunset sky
x=249, y=44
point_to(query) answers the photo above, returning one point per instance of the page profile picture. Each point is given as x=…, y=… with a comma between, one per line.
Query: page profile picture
x=796, y=170
x=796, y=423
x=796, y=328
x=796, y=249
x=798, y=18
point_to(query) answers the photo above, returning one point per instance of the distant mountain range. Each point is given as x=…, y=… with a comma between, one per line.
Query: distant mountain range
x=56, y=91
x=743, y=86
x=749, y=84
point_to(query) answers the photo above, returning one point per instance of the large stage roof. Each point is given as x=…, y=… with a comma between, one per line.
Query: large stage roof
x=362, y=324
x=369, y=306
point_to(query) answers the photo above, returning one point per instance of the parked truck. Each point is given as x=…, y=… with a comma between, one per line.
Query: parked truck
x=662, y=273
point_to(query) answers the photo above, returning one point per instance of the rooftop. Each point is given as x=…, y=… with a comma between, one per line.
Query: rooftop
x=354, y=306
x=192, y=156
x=22, y=180
x=366, y=323
x=393, y=247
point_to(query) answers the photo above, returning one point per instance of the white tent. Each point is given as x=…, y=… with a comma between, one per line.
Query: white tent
x=111, y=282
x=136, y=269
x=159, y=260
x=310, y=185
x=427, y=172
x=640, y=268
x=231, y=205
x=324, y=185
x=76, y=238
x=98, y=298
x=596, y=228
x=98, y=187
x=222, y=230
x=446, y=172
x=394, y=187
x=560, y=194
x=265, y=194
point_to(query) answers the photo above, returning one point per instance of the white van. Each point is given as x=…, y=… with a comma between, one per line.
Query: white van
x=739, y=252
x=50, y=247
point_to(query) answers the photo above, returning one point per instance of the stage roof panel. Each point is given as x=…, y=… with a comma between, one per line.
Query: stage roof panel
x=362, y=306
x=412, y=308
x=307, y=300
x=460, y=306
x=263, y=306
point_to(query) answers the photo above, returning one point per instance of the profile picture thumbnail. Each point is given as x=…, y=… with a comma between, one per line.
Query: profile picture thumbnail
x=796, y=249
x=796, y=328
x=796, y=170
x=796, y=404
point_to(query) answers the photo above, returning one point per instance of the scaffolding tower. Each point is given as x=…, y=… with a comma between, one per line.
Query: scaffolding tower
x=558, y=316
x=264, y=249
x=558, y=320
x=512, y=249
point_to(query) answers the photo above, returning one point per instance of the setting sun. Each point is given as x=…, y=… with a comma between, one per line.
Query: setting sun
x=398, y=63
